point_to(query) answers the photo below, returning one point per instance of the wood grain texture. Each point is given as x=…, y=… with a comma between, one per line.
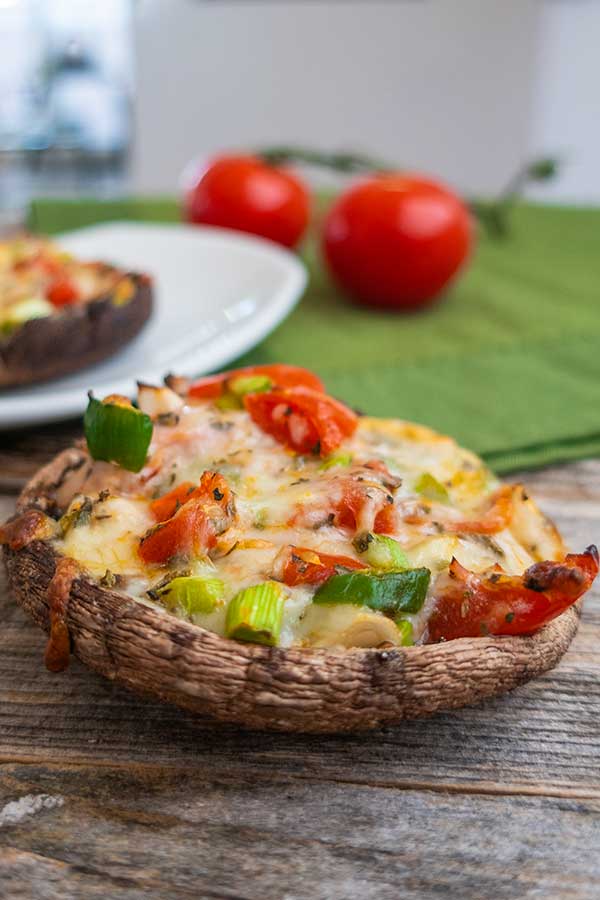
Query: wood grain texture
x=496, y=801
x=194, y=836
x=22, y=453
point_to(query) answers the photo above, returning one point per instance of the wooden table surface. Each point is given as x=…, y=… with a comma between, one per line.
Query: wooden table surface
x=106, y=795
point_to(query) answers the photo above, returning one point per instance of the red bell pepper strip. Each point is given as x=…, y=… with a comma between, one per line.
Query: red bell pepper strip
x=471, y=605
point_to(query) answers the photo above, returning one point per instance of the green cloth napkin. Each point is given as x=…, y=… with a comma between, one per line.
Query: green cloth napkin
x=508, y=363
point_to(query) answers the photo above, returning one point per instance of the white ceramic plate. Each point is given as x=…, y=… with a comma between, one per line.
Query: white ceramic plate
x=217, y=294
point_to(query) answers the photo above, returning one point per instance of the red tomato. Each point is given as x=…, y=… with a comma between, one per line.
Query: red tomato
x=62, y=292
x=496, y=518
x=190, y=518
x=353, y=496
x=213, y=488
x=190, y=532
x=167, y=505
x=247, y=194
x=303, y=419
x=395, y=241
x=309, y=567
x=49, y=265
x=281, y=375
x=208, y=388
x=360, y=497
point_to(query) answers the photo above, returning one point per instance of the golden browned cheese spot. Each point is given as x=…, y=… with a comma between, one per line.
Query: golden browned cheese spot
x=117, y=400
x=33, y=525
x=58, y=648
x=123, y=292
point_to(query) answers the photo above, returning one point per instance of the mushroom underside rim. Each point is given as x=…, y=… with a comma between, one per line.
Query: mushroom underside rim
x=292, y=689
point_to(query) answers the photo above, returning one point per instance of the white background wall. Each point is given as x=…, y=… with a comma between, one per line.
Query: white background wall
x=463, y=88
x=566, y=107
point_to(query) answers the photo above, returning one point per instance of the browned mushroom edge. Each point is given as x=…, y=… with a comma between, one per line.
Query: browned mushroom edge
x=76, y=337
x=319, y=691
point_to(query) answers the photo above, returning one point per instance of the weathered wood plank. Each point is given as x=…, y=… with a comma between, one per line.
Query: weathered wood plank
x=22, y=453
x=7, y=505
x=543, y=738
x=230, y=836
x=499, y=801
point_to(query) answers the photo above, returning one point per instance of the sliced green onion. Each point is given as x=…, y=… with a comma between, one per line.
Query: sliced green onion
x=406, y=632
x=228, y=401
x=261, y=519
x=341, y=459
x=19, y=313
x=388, y=592
x=381, y=552
x=78, y=513
x=192, y=594
x=117, y=432
x=249, y=384
x=255, y=614
x=428, y=485
x=238, y=387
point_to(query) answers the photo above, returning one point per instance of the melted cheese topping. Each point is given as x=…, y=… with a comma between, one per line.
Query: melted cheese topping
x=284, y=499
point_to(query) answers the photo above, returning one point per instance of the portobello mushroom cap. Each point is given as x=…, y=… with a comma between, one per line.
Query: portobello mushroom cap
x=75, y=337
x=296, y=690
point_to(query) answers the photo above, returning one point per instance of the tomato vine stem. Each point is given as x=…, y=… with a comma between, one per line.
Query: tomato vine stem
x=492, y=214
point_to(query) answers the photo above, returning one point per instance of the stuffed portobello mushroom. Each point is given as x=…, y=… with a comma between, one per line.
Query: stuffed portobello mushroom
x=245, y=545
x=58, y=314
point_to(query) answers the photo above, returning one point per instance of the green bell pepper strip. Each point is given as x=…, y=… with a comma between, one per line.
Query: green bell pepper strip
x=117, y=433
x=388, y=592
